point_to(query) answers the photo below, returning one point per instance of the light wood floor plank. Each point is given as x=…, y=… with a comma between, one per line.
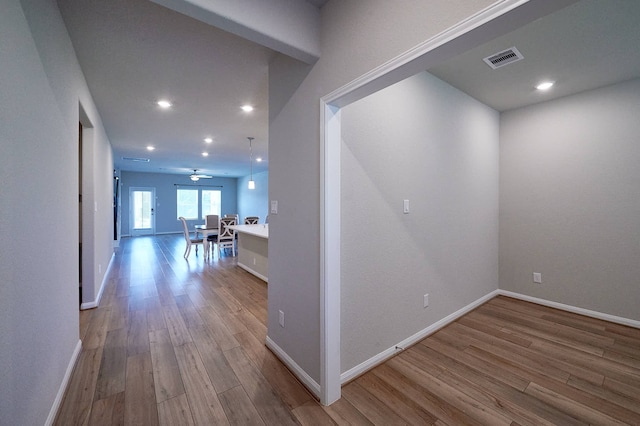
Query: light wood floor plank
x=111, y=378
x=271, y=408
x=220, y=372
x=78, y=400
x=176, y=325
x=175, y=411
x=239, y=408
x=138, y=334
x=312, y=415
x=140, y=407
x=166, y=373
x=108, y=411
x=205, y=405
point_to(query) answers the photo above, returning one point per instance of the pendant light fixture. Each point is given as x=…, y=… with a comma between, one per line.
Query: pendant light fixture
x=252, y=184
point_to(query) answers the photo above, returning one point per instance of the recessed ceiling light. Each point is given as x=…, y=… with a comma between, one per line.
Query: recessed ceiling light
x=247, y=108
x=259, y=159
x=164, y=104
x=150, y=147
x=208, y=140
x=546, y=85
x=205, y=154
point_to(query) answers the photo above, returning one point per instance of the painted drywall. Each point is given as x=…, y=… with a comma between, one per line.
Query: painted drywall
x=254, y=202
x=424, y=141
x=165, y=186
x=569, y=200
x=42, y=86
x=356, y=36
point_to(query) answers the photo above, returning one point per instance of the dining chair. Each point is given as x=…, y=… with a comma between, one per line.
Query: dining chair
x=212, y=221
x=251, y=220
x=190, y=241
x=227, y=236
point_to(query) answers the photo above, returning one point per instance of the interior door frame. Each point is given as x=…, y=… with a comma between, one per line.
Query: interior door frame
x=497, y=19
x=144, y=231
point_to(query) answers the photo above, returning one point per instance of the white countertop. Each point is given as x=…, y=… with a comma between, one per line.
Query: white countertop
x=260, y=230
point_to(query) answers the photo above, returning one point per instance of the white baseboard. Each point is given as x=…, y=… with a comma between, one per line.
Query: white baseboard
x=63, y=386
x=95, y=303
x=400, y=346
x=302, y=375
x=574, y=309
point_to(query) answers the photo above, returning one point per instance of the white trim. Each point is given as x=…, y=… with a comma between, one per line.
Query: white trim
x=64, y=384
x=330, y=255
x=103, y=284
x=352, y=91
x=252, y=272
x=405, y=65
x=302, y=375
x=404, y=344
x=576, y=310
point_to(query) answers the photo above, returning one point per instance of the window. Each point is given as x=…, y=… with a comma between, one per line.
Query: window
x=193, y=204
x=188, y=203
x=210, y=202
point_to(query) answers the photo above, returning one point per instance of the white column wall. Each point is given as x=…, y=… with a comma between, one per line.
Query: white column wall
x=356, y=36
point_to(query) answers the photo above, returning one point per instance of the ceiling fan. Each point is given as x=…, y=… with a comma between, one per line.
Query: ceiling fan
x=195, y=176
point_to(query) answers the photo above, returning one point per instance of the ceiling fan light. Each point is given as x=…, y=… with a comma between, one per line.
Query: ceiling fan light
x=252, y=184
x=194, y=178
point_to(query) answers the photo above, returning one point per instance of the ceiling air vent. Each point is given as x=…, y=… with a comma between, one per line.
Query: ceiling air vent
x=503, y=58
x=139, y=160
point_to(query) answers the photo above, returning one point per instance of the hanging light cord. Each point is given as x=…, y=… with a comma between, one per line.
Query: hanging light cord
x=250, y=158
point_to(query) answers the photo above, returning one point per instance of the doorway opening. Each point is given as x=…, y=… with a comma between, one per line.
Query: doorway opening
x=141, y=211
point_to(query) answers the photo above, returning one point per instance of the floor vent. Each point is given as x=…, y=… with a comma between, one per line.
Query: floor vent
x=503, y=58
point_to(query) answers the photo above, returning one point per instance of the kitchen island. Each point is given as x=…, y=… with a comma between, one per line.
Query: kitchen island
x=253, y=249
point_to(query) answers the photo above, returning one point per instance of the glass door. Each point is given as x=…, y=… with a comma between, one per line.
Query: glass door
x=141, y=215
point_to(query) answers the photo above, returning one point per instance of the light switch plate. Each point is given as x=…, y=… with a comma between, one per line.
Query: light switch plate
x=537, y=277
x=274, y=207
x=405, y=207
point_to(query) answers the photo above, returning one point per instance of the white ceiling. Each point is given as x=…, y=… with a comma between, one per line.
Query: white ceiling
x=134, y=52
x=589, y=44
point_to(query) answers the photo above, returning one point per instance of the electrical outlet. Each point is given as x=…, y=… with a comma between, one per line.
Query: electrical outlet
x=537, y=277
x=274, y=207
x=281, y=318
x=426, y=300
x=254, y=260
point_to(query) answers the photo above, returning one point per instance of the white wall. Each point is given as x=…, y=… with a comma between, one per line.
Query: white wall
x=356, y=36
x=254, y=202
x=41, y=88
x=569, y=200
x=427, y=142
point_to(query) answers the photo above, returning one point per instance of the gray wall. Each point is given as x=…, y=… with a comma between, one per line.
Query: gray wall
x=424, y=141
x=356, y=37
x=165, y=185
x=41, y=88
x=570, y=200
x=254, y=202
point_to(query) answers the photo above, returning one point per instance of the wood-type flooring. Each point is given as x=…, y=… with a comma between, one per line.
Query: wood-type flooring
x=177, y=342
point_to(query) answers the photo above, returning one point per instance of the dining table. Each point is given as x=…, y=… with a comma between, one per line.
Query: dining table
x=205, y=232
